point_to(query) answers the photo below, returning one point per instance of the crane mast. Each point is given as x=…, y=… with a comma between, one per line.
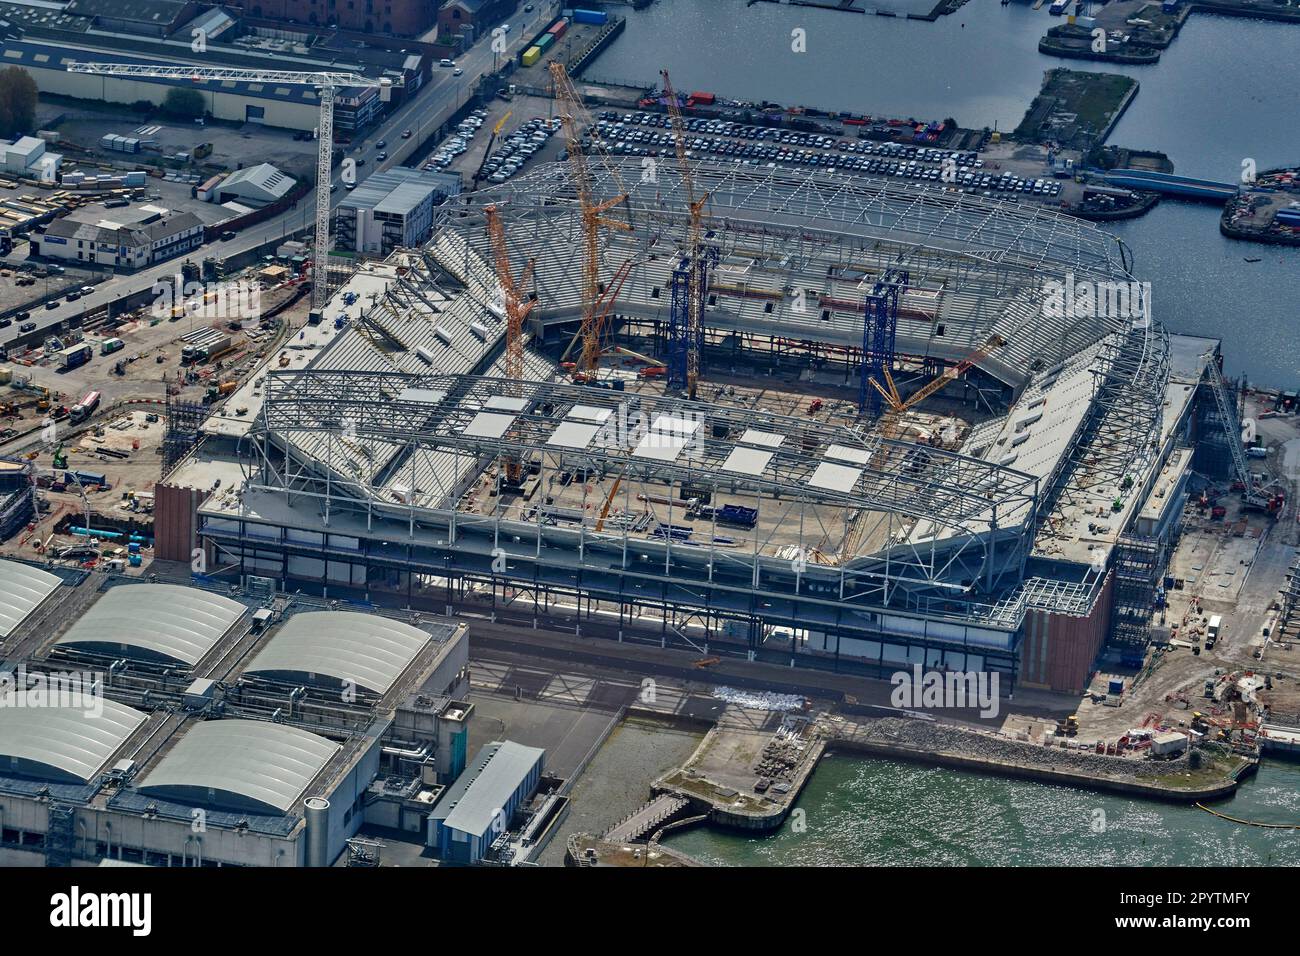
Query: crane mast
x=516, y=309
x=697, y=274
x=575, y=120
x=328, y=83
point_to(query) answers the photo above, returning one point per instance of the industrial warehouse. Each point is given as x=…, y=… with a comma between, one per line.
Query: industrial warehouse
x=989, y=484
x=184, y=727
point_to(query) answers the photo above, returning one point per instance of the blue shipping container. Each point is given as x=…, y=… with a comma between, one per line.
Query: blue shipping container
x=598, y=17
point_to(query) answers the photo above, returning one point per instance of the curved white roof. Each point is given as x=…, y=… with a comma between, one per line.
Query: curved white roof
x=342, y=647
x=22, y=589
x=69, y=743
x=248, y=764
x=165, y=622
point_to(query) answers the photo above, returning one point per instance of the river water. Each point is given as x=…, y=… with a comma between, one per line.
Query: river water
x=869, y=812
x=1223, y=92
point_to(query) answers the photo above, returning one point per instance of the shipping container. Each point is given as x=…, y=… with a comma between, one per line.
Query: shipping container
x=598, y=17
x=558, y=27
x=86, y=478
x=544, y=41
x=531, y=56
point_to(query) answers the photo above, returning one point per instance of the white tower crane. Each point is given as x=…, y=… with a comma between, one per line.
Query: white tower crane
x=327, y=83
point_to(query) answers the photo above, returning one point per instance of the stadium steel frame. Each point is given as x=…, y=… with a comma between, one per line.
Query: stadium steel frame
x=946, y=587
x=986, y=262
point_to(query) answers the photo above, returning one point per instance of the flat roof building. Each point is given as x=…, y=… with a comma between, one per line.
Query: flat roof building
x=391, y=208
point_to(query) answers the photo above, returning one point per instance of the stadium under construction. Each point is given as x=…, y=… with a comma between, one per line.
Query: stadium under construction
x=899, y=452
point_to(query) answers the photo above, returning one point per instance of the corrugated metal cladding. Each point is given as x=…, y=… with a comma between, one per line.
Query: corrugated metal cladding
x=340, y=647
x=241, y=764
x=22, y=590
x=70, y=743
x=1058, y=650
x=154, y=622
x=174, y=523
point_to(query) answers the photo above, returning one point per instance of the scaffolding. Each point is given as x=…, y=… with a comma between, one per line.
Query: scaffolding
x=184, y=429
x=1138, y=563
x=692, y=272
x=1288, y=619
x=879, y=337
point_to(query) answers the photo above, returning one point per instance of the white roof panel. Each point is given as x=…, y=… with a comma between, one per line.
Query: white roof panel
x=661, y=446
x=840, y=478
x=428, y=395
x=589, y=413
x=504, y=403
x=753, y=436
x=489, y=425
x=845, y=453
x=671, y=424
x=747, y=461
x=576, y=435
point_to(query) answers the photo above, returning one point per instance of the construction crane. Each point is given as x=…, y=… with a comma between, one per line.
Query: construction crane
x=487, y=153
x=517, y=306
x=889, y=391
x=573, y=116
x=687, y=334
x=596, y=327
x=328, y=85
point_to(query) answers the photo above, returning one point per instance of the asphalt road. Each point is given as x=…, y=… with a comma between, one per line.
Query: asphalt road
x=427, y=110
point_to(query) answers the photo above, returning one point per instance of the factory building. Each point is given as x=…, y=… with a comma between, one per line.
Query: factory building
x=166, y=704
x=479, y=807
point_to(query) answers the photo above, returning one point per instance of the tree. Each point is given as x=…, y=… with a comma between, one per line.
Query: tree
x=17, y=102
x=184, y=103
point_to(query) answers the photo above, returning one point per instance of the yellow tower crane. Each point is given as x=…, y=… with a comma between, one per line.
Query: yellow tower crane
x=575, y=119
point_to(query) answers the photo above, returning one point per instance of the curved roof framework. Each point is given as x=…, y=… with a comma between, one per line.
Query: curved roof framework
x=798, y=254
x=22, y=589
x=154, y=622
x=69, y=742
x=340, y=647
x=242, y=764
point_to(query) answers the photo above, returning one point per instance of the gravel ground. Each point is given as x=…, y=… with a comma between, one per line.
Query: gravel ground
x=618, y=779
x=925, y=735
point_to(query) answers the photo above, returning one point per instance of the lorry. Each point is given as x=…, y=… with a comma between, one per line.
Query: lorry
x=75, y=356
x=109, y=346
x=1212, y=631
x=85, y=408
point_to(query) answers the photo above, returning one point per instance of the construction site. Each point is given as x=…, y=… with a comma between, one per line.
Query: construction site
x=761, y=413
